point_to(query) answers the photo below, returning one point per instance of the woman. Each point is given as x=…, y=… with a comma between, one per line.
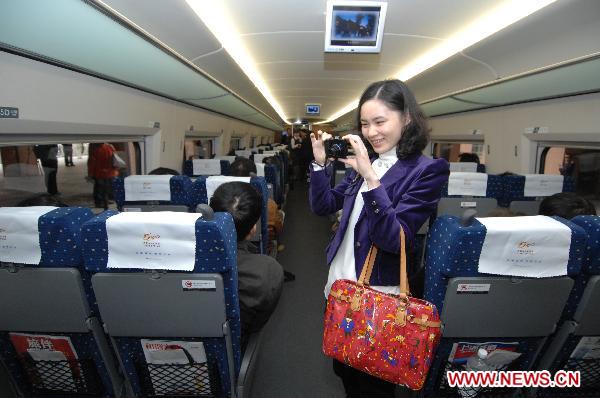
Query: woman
x=395, y=187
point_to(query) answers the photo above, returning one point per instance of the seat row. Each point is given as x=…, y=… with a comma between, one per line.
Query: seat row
x=275, y=174
x=179, y=193
x=522, y=193
x=524, y=288
x=120, y=304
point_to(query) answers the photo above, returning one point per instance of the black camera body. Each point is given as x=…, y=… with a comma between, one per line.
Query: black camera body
x=336, y=148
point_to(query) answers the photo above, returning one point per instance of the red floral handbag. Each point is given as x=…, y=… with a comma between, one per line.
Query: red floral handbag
x=392, y=337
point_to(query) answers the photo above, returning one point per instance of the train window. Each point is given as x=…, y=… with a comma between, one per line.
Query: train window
x=451, y=151
x=198, y=148
x=58, y=170
x=583, y=164
x=235, y=143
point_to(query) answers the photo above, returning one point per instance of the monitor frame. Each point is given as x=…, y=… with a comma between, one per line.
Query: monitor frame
x=370, y=45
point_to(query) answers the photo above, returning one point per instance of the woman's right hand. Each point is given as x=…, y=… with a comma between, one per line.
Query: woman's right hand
x=318, y=147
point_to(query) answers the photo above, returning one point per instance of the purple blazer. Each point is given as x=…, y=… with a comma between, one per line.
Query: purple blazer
x=408, y=195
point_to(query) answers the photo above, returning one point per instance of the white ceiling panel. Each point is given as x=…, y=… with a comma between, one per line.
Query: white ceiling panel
x=223, y=68
x=453, y=75
x=172, y=22
x=563, y=31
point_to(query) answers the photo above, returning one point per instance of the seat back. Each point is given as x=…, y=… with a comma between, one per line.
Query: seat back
x=459, y=194
x=478, y=308
x=271, y=173
x=146, y=192
x=206, y=167
x=200, y=195
x=531, y=187
x=171, y=309
x=573, y=345
x=50, y=333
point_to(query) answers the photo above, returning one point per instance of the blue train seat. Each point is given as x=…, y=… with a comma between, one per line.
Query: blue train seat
x=268, y=171
x=273, y=173
x=206, y=167
x=162, y=309
x=577, y=341
x=153, y=192
x=516, y=197
x=200, y=195
x=51, y=338
x=458, y=194
x=476, y=307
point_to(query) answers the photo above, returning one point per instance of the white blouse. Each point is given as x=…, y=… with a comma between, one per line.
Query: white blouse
x=342, y=266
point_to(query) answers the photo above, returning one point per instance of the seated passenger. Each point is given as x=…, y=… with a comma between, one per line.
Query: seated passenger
x=260, y=277
x=468, y=157
x=566, y=205
x=162, y=171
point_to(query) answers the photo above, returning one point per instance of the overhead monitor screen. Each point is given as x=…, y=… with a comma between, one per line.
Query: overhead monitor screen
x=354, y=26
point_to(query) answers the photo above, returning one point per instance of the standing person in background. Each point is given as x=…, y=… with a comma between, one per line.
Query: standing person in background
x=48, y=156
x=307, y=152
x=392, y=186
x=101, y=170
x=295, y=145
x=68, y=150
x=285, y=137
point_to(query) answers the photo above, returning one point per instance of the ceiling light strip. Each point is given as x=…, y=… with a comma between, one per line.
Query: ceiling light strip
x=216, y=18
x=129, y=24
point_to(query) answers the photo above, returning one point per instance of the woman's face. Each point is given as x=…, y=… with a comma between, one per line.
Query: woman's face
x=381, y=125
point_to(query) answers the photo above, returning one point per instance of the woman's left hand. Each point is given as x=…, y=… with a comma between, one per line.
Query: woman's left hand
x=360, y=161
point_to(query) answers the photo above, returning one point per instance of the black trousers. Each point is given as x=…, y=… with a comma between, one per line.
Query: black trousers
x=358, y=384
x=50, y=169
x=102, y=188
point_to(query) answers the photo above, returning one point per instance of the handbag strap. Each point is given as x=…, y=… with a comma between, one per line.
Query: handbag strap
x=365, y=275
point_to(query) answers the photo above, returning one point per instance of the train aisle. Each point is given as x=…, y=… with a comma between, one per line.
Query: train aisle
x=291, y=363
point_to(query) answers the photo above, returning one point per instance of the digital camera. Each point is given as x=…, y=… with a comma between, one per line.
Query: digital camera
x=336, y=148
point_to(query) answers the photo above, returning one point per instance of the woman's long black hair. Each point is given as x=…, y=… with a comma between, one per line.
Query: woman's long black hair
x=397, y=96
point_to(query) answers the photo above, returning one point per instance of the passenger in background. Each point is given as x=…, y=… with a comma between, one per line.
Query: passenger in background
x=566, y=205
x=68, y=151
x=468, y=157
x=285, y=136
x=101, y=171
x=48, y=156
x=260, y=277
x=306, y=151
x=296, y=157
x=396, y=188
x=161, y=171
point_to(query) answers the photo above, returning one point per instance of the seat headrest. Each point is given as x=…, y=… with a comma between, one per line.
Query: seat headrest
x=42, y=235
x=149, y=241
x=164, y=189
x=468, y=167
x=455, y=249
x=591, y=258
x=206, y=167
x=467, y=184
